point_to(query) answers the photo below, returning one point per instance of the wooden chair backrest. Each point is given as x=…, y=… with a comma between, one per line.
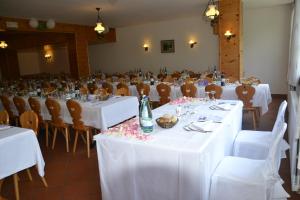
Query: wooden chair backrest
x=75, y=111
x=122, y=85
x=36, y=107
x=83, y=91
x=20, y=104
x=30, y=120
x=189, y=81
x=164, y=92
x=212, y=87
x=6, y=104
x=109, y=88
x=4, y=117
x=143, y=89
x=245, y=93
x=168, y=79
x=176, y=75
x=54, y=110
x=92, y=88
x=123, y=91
x=161, y=76
x=188, y=90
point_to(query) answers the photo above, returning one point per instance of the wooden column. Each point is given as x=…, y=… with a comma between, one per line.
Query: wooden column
x=231, y=50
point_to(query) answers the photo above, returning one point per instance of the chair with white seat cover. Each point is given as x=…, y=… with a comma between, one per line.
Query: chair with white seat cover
x=256, y=144
x=237, y=178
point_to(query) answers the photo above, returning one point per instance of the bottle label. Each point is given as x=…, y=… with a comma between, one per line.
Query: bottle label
x=146, y=122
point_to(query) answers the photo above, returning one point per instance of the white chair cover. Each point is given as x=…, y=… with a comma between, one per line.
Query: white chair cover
x=256, y=144
x=239, y=178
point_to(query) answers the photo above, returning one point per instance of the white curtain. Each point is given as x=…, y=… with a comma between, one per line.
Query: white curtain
x=294, y=62
x=294, y=99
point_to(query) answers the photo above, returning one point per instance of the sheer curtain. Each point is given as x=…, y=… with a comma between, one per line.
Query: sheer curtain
x=294, y=100
x=294, y=61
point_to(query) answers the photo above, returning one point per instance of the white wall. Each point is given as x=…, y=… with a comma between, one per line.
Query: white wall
x=266, y=45
x=128, y=53
x=29, y=61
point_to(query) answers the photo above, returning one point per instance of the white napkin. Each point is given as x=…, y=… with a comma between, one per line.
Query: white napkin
x=4, y=127
x=207, y=126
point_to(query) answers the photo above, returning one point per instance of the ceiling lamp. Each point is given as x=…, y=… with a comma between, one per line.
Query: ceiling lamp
x=3, y=44
x=99, y=27
x=211, y=11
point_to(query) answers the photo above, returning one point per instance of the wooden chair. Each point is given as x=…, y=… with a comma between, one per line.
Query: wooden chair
x=4, y=117
x=168, y=79
x=245, y=93
x=109, y=88
x=188, y=90
x=91, y=88
x=123, y=92
x=143, y=89
x=79, y=127
x=84, y=91
x=36, y=107
x=20, y=105
x=217, y=89
x=164, y=92
x=29, y=119
x=56, y=121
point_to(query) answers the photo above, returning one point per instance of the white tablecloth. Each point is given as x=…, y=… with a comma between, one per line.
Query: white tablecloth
x=98, y=114
x=262, y=97
x=19, y=150
x=173, y=165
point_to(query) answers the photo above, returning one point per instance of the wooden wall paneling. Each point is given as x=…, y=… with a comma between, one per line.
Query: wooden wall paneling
x=77, y=49
x=9, y=64
x=231, y=52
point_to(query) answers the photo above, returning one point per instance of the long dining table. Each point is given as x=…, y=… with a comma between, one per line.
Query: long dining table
x=97, y=114
x=170, y=164
x=19, y=150
x=262, y=97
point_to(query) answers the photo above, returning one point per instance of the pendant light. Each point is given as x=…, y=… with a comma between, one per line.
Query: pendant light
x=99, y=28
x=211, y=11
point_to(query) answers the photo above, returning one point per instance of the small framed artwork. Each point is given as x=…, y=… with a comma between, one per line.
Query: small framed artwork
x=167, y=46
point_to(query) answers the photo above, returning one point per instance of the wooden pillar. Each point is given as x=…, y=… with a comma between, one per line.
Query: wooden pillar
x=82, y=54
x=231, y=50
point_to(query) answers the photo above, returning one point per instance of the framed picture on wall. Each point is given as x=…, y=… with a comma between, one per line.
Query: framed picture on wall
x=167, y=46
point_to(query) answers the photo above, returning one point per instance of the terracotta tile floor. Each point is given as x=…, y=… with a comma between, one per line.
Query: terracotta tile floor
x=75, y=177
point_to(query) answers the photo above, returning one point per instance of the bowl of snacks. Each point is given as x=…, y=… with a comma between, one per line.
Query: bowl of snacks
x=167, y=121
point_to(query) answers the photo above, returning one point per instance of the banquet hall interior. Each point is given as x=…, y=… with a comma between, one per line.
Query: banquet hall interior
x=143, y=100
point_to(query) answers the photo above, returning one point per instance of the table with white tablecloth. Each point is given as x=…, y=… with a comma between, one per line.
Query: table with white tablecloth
x=262, y=97
x=19, y=150
x=173, y=164
x=97, y=114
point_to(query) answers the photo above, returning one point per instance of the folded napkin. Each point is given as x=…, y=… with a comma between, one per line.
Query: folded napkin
x=214, y=118
x=224, y=107
x=4, y=127
x=207, y=126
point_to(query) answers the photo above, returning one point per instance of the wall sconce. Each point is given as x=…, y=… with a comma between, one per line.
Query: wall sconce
x=146, y=47
x=3, y=44
x=48, y=57
x=192, y=43
x=229, y=35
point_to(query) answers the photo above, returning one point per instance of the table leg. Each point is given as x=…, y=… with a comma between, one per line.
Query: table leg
x=16, y=184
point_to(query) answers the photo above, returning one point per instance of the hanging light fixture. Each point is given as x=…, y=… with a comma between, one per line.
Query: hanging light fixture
x=99, y=28
x=211, y=11
x=3, y=44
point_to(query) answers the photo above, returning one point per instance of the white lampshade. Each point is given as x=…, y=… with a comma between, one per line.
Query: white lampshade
x=212, y=11
x=50, y=24
x=3, y=44
x=99, y=27
x=33, y=23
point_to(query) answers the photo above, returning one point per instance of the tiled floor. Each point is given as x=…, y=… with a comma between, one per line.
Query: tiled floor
x=75, y=177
